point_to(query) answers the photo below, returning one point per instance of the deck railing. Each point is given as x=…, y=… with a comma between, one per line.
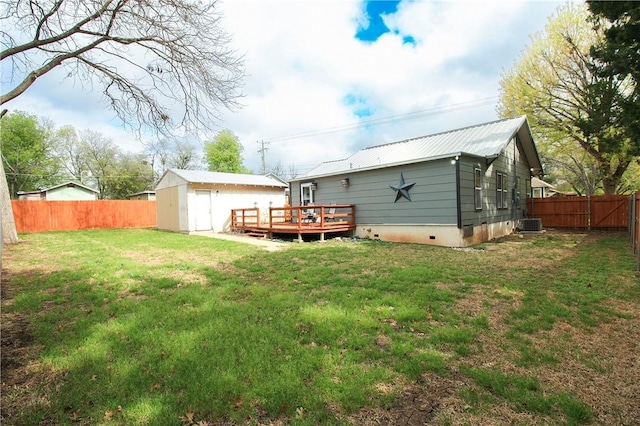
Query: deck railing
x=298, y=219
x=324, y=216
x=245, y=218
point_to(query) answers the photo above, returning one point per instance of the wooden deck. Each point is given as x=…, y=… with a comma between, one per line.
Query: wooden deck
x=315, y=219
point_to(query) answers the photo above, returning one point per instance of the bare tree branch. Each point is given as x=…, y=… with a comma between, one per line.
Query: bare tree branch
x=161, y=63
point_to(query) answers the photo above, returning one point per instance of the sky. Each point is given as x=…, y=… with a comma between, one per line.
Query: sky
x=325, y=78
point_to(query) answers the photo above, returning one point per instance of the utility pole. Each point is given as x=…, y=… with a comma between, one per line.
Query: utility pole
x=263, y=150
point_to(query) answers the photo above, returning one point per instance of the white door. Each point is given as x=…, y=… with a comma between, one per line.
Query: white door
x=203, y=210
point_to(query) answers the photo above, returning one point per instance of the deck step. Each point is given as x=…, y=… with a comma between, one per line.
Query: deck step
x=257, y=233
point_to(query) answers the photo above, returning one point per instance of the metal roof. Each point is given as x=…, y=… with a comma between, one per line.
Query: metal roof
x=69, y=183
x=202, y=176
x=483, y=140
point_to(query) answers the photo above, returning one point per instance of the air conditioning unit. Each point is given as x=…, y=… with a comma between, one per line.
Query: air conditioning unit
x=531, y=224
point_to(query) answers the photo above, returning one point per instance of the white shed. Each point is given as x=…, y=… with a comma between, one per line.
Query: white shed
x=196, y=200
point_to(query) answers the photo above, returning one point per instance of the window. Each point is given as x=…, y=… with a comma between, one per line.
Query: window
x=502, y=188
x=477, y=184
x=307, y=193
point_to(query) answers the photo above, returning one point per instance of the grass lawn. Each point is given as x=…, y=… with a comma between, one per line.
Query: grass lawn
x=141, y=327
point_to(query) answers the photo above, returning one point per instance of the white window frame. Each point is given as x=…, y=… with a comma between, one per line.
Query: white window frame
x=502, y=190
x=310, y=187
x=477, y=187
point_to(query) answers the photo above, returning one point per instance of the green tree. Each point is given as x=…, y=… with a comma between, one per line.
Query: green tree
x=131, y=173
x=573, y=110
x=24, y=145
x=224, y=153
x=618, y=55
x=620, y=49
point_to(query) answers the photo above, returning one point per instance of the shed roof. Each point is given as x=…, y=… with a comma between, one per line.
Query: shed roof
x=203, y=176
x=539, y=183
x=486, y=140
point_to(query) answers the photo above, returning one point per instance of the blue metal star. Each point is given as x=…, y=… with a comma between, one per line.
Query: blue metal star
x=402, y=189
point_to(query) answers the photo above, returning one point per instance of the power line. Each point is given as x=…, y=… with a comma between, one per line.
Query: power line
x=390, y=119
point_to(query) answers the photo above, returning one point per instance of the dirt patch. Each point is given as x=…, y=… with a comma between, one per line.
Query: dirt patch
x=19, y=366
x=603, y=368
x=418, y=404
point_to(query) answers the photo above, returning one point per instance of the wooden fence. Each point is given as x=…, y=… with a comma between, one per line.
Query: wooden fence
x=36, y=216
x=609, y=212
x=634, y=225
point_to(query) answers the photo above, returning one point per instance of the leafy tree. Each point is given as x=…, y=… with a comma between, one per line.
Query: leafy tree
x=631, y=179
x=621, y=46
x=131, y=174
x=224, y=153
x=159, y=63
x=618, y=55
x=24, y=148
x=573, y=110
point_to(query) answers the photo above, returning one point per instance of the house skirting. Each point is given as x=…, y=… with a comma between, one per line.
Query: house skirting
x=439, y=235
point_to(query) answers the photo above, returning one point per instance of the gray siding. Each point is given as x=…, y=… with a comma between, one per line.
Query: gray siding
x=433, y=198
x=516, y=171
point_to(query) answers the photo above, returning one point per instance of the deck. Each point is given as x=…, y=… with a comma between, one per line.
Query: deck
x=315, y=219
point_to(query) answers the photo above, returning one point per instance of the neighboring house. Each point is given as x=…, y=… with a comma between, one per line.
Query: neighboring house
x=274, y=176
x=68, y=191
x=195, y=200
x=279, y=179
x=143, y=196
x=542, y=189
x=454, y=188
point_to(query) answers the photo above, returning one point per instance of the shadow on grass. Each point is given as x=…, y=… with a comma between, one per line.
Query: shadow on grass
x=161, y=353
x=302, y=335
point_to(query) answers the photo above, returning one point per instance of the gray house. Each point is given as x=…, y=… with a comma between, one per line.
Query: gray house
x=453, y=189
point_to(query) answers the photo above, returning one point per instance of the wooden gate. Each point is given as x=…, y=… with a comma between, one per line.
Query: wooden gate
x=610, y=212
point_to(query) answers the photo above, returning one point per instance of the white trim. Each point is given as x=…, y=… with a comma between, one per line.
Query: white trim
x=312, y=195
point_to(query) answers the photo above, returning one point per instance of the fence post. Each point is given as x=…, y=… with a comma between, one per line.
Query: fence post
x=588, y=212
x=631, y=229
x=636, y=231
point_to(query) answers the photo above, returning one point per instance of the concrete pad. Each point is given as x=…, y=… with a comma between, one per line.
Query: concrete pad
x=266, y=244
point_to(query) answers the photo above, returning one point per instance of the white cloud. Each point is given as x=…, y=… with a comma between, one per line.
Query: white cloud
x=303, y=61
